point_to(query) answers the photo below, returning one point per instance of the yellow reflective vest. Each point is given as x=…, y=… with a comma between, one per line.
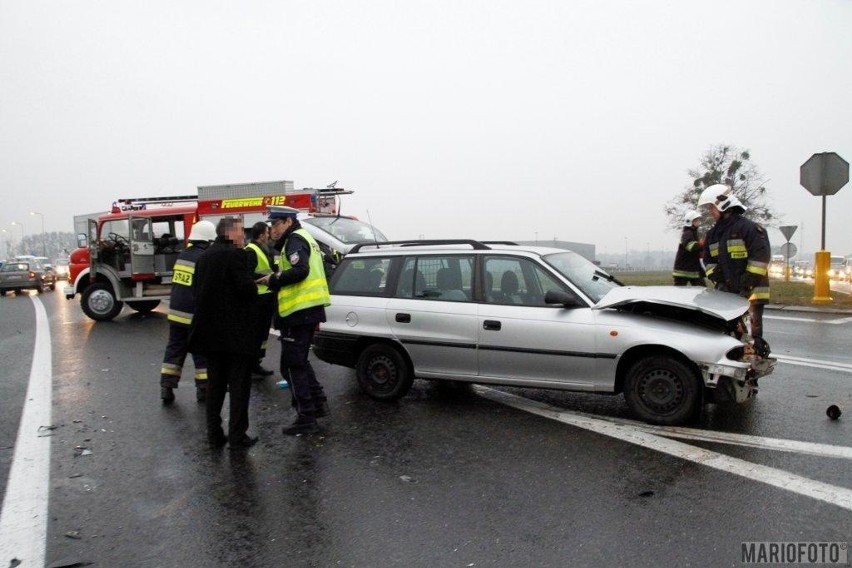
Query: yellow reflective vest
x=310, y=292
x=262, y=266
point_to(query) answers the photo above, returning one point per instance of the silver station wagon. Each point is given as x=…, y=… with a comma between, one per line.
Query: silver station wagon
x=524, y=316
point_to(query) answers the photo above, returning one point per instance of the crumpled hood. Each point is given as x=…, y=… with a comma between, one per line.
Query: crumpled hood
x=722, y=305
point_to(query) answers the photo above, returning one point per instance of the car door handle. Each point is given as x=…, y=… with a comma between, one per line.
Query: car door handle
x=403, y=318
x=492, y=325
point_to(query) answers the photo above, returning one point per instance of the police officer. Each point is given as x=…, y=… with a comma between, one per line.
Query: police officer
x=302, y=294
x=737, y=255
x=260, y=259
x=687, y=265
x=181, y=309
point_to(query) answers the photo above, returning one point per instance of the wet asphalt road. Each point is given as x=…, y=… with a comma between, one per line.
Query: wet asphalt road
x=444, y=477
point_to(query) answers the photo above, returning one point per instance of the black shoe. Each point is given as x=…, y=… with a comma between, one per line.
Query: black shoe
x=167, y=394
x=260, y=371
x=322, y=410
x=217, y=440
x=300, y=426
x=243, y=443
x=201, y=394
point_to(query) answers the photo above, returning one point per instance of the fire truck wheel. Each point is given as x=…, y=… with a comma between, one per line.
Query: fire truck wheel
x=99, y=303
x=144, y=306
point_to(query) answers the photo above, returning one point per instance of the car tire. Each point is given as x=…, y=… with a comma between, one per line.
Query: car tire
x=18, y=292
x=143, y=307
x=99, y=302
x=662, y=390
x=383, y=373
x=40, y=288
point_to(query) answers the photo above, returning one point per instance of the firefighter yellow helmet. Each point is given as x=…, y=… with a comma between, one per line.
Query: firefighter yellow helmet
x=721, y=196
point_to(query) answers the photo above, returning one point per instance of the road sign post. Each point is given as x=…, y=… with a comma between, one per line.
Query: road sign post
x=823, y=175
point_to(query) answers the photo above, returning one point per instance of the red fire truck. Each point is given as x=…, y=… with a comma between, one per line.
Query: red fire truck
x=128, y=254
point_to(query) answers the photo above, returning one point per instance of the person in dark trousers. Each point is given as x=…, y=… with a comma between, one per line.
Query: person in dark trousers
x=223, y=329
x=261, y=261
x=181, y=308
x=687, y=264
x=302, y=294
x=737, y=255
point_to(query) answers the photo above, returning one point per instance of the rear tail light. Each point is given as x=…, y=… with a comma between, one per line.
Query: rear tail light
x=32, y=274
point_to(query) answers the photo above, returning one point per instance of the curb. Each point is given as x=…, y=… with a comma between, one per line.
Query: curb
x=809, y=309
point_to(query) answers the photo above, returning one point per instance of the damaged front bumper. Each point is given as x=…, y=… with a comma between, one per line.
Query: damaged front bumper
x=736, y=381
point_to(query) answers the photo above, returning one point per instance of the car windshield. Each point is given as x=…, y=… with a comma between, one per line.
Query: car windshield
x=348, y=231
x=588, y=277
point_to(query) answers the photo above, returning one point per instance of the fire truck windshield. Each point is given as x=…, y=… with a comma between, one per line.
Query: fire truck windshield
x=348, y=231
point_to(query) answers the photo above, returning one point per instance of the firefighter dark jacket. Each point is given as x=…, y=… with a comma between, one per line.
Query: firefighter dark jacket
x=688, y=259
x=182, y=302
x=737, y=255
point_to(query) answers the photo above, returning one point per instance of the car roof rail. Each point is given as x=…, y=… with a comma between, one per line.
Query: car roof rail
x=475, y=245
x=509, y=243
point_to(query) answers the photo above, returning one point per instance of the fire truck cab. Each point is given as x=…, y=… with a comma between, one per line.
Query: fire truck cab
x=128, y=255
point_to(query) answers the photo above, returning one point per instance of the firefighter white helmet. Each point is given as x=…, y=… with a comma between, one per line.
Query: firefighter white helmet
x=721, y=196
x=203, y=231
x=689, y=217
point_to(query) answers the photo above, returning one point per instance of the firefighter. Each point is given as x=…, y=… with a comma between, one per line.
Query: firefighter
x=302, y=294
x=260, y=259
x=737, y=254
x=687, y=265
x=181, y=308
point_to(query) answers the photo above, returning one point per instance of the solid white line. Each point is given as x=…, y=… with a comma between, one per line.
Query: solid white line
x=839, y=496
x=838, y=321
x=778, y=444
x=23, y=521
x=816, y=363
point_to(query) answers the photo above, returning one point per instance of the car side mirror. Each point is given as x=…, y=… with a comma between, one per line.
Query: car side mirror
x=82, y=240
x=560, y=297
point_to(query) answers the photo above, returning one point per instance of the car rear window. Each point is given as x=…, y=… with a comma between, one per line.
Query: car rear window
x=16, y=267
x=361, y=277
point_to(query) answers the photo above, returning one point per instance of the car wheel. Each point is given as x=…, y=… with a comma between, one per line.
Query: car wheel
x=18, y=292
x=144, y=306
x=40, y=288
x=99, y=303
x=383, y=373
x=662, y=390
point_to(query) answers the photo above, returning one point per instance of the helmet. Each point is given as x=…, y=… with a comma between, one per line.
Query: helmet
x=689, y=217
x=721, y=196
x=203, y=231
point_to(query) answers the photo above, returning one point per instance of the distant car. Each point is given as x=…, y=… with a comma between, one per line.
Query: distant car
x=837, y=268
x=61, y=266
x=18, y=275
x=535, y=317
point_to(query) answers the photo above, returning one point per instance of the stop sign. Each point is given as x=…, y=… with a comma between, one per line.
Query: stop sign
x=824, y=174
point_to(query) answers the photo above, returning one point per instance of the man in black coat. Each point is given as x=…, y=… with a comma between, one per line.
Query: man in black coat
x=223, y=330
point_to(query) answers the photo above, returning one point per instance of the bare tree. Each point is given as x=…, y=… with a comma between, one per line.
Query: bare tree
x=732, y=166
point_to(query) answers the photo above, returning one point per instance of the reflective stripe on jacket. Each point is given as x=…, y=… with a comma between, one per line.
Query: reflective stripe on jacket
x=737, y=257
x=310, y=292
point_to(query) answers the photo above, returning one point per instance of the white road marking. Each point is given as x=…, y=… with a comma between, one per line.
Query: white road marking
x=839, y=496
x=23, y=521
x=819, y=364
x=838, y=321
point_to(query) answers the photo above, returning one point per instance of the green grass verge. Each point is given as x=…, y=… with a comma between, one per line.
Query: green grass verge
x=793, y=293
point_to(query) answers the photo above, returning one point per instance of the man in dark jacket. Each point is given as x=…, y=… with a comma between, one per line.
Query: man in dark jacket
x=223, y=330
x=687, y=265
x=302, y=294
x=181, y=308
x=737, y=255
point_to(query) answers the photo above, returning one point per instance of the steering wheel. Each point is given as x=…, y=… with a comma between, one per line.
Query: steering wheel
x=118, y=239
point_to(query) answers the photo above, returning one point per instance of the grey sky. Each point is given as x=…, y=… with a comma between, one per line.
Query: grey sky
x=477, y=119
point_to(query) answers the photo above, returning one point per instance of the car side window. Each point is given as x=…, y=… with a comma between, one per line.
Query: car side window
x=362, y=277
x=430, y=277
x=517, y=281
